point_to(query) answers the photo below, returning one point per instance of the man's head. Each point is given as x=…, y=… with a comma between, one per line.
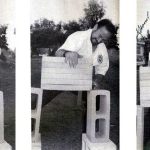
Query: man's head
x=102, y=31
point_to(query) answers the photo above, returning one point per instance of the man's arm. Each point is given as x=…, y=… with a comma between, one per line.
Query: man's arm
x=69, y=50
x=70, y=45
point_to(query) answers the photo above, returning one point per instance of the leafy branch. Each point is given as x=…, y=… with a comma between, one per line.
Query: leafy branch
x=141, y=27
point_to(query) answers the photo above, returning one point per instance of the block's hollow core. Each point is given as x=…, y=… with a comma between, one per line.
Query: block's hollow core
x=101, y=104
x=100, y=128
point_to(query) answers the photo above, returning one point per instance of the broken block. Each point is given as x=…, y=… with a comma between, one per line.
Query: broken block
x=98, y=115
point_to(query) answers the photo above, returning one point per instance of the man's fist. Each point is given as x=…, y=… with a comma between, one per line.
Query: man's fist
x=71, y=58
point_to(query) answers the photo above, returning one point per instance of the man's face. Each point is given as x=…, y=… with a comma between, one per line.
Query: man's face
x=100, y=35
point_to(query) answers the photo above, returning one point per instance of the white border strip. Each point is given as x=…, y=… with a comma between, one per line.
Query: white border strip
x=23, y=92
x=128, y=75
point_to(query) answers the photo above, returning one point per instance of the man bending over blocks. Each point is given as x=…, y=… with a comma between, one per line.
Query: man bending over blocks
x=89, y=44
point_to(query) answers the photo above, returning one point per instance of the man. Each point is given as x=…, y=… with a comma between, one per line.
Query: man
x=86, y=44
x=89, y=44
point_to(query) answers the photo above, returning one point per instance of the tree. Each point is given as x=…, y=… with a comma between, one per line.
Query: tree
x=140, y=28
x=84, y=24
x=94, y=12
x=45, y=23
x=71, y=27
x=46, y=34
x=3, y=39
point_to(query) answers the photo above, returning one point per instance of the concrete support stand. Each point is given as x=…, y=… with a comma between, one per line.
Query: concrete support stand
x=98, y=122
x=36, y=114
x=36, y=145
x=140, y=127
x=3, y=144
x=88, y=145
x=98, y=117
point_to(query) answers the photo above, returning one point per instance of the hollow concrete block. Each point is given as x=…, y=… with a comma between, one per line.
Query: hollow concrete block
x=88, y=145
x=98, y=118
x=140, y=127
x=36, y=113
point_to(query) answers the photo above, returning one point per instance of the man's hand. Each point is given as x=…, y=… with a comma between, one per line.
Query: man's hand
x=71, y=58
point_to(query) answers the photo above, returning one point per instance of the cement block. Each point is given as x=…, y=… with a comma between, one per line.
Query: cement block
x=140, y=127
x=5, y=146
x=98, y=119
x=88, y=145
x=36, y=114
x=36, y=145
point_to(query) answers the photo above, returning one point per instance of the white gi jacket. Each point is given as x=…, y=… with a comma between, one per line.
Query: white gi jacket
x=80, y=42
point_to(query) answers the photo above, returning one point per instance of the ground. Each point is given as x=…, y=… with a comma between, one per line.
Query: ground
x=7, y=85
x=62, y=119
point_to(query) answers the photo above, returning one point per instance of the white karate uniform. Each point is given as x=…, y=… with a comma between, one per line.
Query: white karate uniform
x=80, y=42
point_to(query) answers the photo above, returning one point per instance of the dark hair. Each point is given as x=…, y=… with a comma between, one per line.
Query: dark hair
x=113, y=41
x=108, y=24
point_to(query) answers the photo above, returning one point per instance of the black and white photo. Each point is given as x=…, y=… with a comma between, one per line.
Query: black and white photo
x=75, y=74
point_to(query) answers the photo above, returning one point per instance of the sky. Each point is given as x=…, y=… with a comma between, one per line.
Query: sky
x=7, y=11
x=65, y=10
x=7, y=17
x=142, y=7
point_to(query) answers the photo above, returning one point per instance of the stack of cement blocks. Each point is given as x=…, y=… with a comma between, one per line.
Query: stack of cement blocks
x=36, y=114
x=144, y=102
x=98, y=122
x=3, y=144
x=57, y=75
